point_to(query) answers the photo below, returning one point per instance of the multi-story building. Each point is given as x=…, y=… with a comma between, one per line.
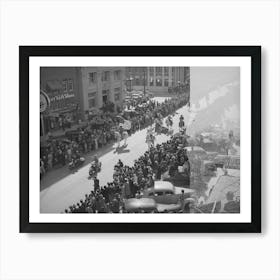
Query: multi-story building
x=74, y=91
x=62, y=85
x=100, y=85
x=156, y=79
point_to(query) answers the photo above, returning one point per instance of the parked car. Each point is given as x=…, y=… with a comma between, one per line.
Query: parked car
x=181, y=179
x=167, y=196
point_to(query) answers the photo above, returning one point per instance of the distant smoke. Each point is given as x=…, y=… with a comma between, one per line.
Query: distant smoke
x=215, y=98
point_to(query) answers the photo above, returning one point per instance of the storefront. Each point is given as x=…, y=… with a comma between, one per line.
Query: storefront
x=61, y=118
x=61, y=84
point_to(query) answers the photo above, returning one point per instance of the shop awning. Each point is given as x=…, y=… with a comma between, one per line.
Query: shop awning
x=56, y=113
x=54, y=85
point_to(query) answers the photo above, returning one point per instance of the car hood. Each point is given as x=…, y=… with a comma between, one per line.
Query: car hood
x=168, y=207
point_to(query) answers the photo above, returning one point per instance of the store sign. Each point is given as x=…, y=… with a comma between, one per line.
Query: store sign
x=44, y=101
x=62, y=97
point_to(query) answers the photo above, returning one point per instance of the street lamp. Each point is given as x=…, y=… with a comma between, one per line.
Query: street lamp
x=129, y=83
x=179, y=87
x=130, y=79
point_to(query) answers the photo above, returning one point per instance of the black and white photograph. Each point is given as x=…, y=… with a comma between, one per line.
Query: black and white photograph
x=140, y=140
x=162, y=132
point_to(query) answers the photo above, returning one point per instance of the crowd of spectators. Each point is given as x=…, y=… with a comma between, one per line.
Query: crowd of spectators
x=131, y=182
x=99, y=132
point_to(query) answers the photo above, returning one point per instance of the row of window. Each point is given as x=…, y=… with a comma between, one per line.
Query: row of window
x=159, y=70
x=158, y=82
x=105, y=96
x=105, y=76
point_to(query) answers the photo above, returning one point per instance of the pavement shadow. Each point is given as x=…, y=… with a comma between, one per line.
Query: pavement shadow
x=122, y=150
x=59, y=173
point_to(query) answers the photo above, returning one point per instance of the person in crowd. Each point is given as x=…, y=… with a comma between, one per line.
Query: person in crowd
x=181, y=123
x=42, y=168
x=96, y=184
x=182, y=198
x=149, y=138
x=95, y=160
x=50, y=160
x=186, y=167
x=168, y=122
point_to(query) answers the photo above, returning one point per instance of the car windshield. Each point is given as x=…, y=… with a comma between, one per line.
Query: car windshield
x=168, y=192
x=158, y=193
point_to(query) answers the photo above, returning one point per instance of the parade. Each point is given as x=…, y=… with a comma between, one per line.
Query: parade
x=147, y=156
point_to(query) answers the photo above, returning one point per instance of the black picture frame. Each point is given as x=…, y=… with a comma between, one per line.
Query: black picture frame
x=25, y=52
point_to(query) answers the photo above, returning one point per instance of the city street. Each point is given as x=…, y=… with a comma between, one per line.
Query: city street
x=214, y=104
x=60, y=188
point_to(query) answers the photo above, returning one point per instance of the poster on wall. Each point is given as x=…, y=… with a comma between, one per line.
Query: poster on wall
x=140, y=139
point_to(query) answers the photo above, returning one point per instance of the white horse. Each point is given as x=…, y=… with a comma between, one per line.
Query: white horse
x=150, y=139
x=125, y=136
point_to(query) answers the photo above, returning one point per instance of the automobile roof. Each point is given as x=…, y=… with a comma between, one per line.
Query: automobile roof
x=163, y=185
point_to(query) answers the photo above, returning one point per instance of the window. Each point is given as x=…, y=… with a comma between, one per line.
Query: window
x=117, y=75
x=158, y=193
x=137, y=80
x=151, y=81
x=105, y=98
x=91, y=103
x=92, y=77
x=117, y=97
x=166, y=71
x=166, y=82
x=92, y=94
x=151, y=69
x=70, y=85
x=64, y=85
x=158, y=82
x=117, y=92
x=105, y=95
x=158, y=70
x=105, y=76
x=105, y=92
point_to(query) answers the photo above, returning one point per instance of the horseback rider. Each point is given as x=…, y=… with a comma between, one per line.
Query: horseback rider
x=150, y=138
x=118, y=137
x=95, y=167
x=181, y=122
